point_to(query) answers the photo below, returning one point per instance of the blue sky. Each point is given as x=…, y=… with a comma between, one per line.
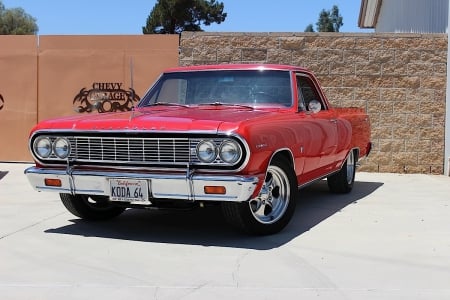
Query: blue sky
x=55, y=17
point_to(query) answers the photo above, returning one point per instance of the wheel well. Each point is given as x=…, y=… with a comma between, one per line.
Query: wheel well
x=286, y=155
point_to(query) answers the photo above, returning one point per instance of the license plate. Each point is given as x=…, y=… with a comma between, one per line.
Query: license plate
x=128, y=190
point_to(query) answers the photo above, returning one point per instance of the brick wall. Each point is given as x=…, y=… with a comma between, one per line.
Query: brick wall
x=400, y=80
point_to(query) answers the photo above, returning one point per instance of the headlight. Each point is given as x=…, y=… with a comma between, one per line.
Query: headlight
x=42, y=146
x=230, y=151
x=206, y=151
x=61, y=148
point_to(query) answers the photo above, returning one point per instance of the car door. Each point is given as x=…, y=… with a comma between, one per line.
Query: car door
x=319, y=127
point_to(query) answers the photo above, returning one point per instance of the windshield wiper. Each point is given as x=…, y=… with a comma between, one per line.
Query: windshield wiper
x=168, y=104
x=218, y=103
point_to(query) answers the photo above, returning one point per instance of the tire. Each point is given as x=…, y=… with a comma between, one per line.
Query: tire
x=90, y=207
x=342, y=181
x=274, y=206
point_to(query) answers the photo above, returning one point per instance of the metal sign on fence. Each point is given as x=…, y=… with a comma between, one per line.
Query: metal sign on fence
x=105, y=97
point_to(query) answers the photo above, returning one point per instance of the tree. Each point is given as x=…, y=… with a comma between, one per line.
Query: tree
x=336, y=18
x=309, y=28
x=16, y=21
x=175, y=16
x=329, y=21
x=324, y=23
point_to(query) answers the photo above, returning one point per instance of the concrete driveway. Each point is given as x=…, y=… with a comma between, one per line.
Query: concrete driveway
x=388, y=239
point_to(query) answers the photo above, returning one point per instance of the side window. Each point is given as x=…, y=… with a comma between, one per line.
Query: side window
x=307, y=93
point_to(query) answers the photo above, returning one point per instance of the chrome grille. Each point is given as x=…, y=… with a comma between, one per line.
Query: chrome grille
x=126, y=150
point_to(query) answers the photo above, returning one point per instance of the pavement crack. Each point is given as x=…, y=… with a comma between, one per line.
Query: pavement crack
x=31, y=225
x=235, y=273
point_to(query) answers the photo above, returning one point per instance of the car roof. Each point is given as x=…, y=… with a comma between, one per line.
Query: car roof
x=237, y=67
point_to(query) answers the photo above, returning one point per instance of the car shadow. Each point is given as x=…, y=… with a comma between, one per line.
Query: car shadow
x=207, y=227
x=3, y=174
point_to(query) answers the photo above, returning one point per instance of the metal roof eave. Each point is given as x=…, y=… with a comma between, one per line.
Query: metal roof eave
x=368, y=13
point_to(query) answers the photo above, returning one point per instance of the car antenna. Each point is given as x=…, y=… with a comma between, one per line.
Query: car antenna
x=132, y=88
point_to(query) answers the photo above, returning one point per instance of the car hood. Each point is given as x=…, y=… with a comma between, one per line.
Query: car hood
x=173, y=119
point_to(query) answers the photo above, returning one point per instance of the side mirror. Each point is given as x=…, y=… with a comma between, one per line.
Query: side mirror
x=314, y=106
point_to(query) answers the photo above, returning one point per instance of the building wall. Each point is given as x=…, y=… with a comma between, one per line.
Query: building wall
x=18, y=94
x=69, y=75
x=417, y=16
x=400, y=79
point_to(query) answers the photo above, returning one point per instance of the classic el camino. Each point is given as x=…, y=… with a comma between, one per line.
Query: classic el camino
x=247, y=137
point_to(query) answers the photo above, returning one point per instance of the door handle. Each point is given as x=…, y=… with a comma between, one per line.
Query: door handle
x=333, y=121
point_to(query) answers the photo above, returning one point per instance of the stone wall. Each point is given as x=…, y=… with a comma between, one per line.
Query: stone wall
x=400, y=80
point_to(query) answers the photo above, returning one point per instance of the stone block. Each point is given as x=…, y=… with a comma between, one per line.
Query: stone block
x=229, y=55
x=368, y=69
x=406, y=132
x=254, y=55
x=406, y=56
x=277, y=56
x=330, y=55
x=382, y=56
x=369, y=43
x=369, y=94
x=420, y=69
x=433, y=57
x=406, y=82
x=380, y=107
x=395, y=95
x=291, y=43
x=330, y=80
x=405, y=158
x=359, y=56
x=433, y=82
x=395, y=69
x=342, y=68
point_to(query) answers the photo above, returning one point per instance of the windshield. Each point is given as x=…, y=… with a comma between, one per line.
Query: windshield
x=246, y=87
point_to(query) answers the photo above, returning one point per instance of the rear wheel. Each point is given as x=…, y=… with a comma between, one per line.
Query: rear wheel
x=90, y=207
x=274, y=206
x=342, y=181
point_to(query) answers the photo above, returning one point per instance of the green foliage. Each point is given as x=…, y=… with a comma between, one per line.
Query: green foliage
x=309, y=28
x=336, y=18
x=329, y=21
x=16, y=21
x=175, y=16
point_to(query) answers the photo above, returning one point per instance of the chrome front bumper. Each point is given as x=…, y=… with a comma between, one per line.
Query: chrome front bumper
x=161, y=186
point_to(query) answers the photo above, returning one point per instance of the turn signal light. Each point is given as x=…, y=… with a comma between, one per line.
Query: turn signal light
x=52, y=182
x=212, y=189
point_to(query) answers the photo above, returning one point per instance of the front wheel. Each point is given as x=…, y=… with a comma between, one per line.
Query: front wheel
x=274, y=206
x=342, y=181
x=90, y=207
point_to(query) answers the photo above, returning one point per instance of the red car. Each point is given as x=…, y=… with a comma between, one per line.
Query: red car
x=246, y=137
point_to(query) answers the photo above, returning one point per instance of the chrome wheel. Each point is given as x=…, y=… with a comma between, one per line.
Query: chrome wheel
x=272, y=209
x=271, y=203
x=350, y=167
x=342, y=181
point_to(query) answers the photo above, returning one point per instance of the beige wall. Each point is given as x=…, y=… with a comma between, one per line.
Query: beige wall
x=41, y=82
x=67, y=64
x=18, y=88
x=400, y=79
